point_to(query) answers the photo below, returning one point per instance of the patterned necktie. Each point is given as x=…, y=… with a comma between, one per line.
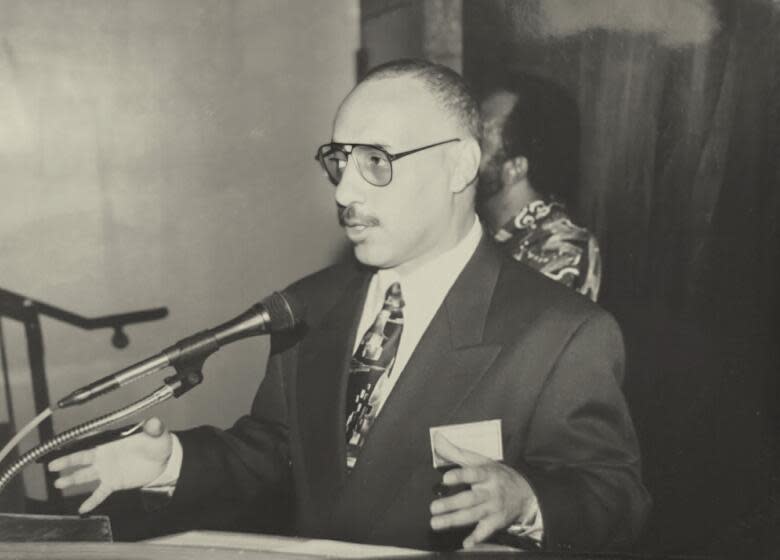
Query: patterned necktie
x=373, y=359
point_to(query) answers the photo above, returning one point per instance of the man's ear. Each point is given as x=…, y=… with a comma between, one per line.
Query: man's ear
x=514, y=170
x=468, y=156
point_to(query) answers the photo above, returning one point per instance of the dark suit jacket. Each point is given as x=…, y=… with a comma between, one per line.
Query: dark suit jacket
x=506, y=343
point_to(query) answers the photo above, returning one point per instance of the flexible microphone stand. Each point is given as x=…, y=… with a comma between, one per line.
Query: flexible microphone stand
x=188, y=374
x=28, y=311
x=278, y=312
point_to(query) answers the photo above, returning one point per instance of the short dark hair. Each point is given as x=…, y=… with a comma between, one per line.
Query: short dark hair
x=543, y=127
x=447, y=86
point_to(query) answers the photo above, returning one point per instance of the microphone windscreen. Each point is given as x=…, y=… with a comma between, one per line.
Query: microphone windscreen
x=284, y=310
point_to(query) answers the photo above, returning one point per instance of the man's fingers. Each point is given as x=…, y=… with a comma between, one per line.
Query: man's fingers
x=98, y=496
x=486, y=527
x=80, y=476
x=465, y=475
x=78, y=459
x=461, y=500
x=451, y=452
x=154, y=427
x=445, y=449
x=459, y=518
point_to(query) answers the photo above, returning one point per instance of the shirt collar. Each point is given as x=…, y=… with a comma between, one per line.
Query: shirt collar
x=430, y=282
x=528, y=218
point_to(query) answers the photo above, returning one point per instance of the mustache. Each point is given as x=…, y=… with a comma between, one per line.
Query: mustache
x=351, y=216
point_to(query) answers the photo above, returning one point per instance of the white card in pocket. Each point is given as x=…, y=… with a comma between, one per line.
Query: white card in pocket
x=480, y=437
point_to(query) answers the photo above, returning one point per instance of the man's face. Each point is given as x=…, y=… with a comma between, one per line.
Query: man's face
x=412, y=217
x=495, y=109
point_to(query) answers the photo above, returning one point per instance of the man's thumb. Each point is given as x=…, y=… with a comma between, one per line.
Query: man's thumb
x=154, y=427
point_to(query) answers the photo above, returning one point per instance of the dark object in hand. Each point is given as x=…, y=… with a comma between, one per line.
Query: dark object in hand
x=449, y=539
x=441, y=490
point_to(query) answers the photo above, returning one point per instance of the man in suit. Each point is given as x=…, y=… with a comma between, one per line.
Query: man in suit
x=428, y=326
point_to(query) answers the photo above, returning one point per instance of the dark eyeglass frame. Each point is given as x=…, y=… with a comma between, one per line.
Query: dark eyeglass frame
x=327, y=149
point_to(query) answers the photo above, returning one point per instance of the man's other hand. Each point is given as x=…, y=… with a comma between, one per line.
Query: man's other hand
x=498, y=495
x=124, y=464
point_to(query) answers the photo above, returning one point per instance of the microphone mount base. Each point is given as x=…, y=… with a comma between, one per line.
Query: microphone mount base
x=187, y=357
x=188, y=375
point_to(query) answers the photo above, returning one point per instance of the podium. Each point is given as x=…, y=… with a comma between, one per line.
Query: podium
x=215, y=545
x=36, y=528
x=38, y=537
x=130, y=551
x=204, y=545
x=141, y=551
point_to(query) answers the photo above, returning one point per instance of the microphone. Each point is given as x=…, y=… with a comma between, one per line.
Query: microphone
x=277, y=313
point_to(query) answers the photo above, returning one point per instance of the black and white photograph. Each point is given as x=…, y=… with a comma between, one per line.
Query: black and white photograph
x=288, y=279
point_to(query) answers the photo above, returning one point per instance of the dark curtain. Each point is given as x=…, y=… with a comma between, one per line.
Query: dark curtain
x=679, y=179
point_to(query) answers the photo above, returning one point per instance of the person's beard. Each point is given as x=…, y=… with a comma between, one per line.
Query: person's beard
x=490, y=182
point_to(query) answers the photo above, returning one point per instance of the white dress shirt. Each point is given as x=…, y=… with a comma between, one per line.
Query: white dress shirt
x=423, y=291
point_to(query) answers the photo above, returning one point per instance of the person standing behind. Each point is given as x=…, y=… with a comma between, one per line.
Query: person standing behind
x=528, y=170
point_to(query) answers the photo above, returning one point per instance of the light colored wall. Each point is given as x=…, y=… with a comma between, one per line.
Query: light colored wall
x=161, y=153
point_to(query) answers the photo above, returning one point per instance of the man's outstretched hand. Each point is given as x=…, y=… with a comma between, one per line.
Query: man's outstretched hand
x=498, y=496
x=124, y=464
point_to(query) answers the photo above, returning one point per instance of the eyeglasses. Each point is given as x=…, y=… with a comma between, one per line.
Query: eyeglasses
x=374, y=163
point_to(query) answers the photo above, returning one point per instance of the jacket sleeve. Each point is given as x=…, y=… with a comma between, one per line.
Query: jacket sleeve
x=246, y=465
x=582, y=453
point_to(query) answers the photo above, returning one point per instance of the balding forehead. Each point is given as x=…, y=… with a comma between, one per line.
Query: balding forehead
x=398, y=108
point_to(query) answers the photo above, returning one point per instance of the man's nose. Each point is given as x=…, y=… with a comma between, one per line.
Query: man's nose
x=352, y=187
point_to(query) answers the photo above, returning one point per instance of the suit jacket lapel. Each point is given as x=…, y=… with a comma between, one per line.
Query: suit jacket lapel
x=322, y=374
x=448, y=362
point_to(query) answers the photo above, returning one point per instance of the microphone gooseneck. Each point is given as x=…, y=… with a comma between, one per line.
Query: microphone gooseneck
x=276, y=313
